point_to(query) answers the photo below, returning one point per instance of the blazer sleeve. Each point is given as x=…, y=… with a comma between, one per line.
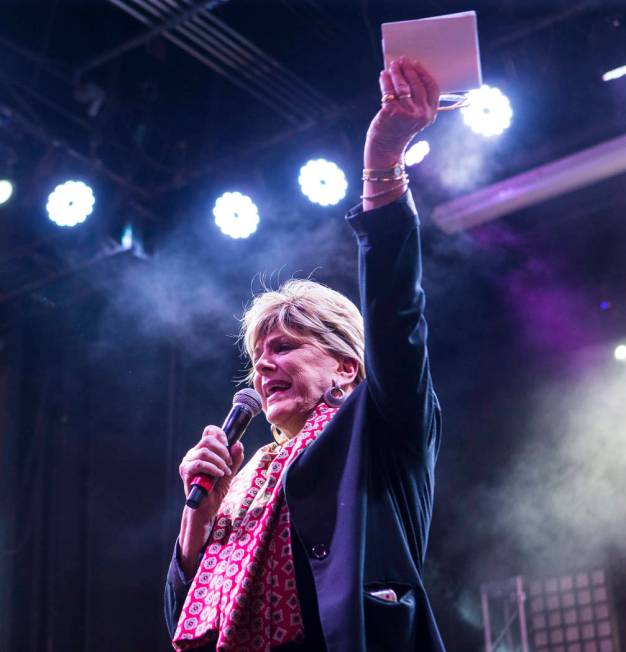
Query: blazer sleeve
x=176, y=588
x=392, y=304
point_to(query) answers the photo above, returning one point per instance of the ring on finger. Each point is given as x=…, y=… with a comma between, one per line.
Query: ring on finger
x=388, y=97
x=404, y=96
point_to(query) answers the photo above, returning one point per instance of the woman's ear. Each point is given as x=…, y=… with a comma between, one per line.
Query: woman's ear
x=347, y=369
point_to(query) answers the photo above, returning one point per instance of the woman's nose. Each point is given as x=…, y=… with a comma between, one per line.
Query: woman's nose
x=264, y=363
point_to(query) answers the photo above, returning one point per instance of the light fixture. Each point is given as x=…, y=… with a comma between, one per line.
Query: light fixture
x=615, y=73
x=620, y=353
x=6, y=190
x=489, y=111
x=416, y=153
x=236, y=215
x=323, y=182
x=70, y=203
x=127, y=238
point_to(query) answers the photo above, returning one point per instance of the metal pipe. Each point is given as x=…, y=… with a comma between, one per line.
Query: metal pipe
x=54, y=276
x=135, y=42
x=275, y=91
x=484, y=601
x=507, y=618
x=49, y=139
x=521, y=600
x=270, y=60
x=545, y=182
x=265, y=69
x=277, y=83
x=211, y=64
x=36, y=59
x=506, y=630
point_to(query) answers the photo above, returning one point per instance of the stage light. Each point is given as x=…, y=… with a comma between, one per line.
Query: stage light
x=70, y=203
x=489, y=112
x=620, y=353
x=323, y=182
x=416, y=153
x=236, y=215
x=127, y=238
x=616, y=73
x=6, y=190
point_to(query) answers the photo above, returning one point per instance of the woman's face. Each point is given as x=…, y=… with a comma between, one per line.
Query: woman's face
x=291, y=374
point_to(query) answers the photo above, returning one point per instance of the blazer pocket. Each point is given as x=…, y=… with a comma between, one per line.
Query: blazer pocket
x=390, y=625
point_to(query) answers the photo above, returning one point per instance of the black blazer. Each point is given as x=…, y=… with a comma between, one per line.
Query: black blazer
x=360, y=498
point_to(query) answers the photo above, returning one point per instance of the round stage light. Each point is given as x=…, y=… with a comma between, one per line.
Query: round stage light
x=615, y=73
x=70, y=203
x=6, y=190
x=323, y=182
x=620, y=353
x=489, y=112
x=127, y=240
x=236, y=215
x=416, y=153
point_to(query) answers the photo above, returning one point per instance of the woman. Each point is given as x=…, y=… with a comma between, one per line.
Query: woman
x=318, y=542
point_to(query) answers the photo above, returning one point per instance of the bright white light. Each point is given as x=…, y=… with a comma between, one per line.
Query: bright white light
x=616, y=73
x=416, y=153
x=323, y=182
x=70, y=203
x=127, y=238
x=489, y=112
x=620, y=353
x=236, y=215
x=6, y=190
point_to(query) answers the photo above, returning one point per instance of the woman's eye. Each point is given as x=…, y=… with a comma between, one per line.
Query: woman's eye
x=285, y=346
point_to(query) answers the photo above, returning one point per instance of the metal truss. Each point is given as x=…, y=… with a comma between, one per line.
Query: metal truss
x=192, y=27
x=504, y=616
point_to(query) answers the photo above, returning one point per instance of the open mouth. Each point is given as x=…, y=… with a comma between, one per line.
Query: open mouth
x=275, y=389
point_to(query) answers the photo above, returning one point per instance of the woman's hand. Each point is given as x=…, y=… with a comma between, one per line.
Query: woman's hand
x=415, y=107
x=211, y=457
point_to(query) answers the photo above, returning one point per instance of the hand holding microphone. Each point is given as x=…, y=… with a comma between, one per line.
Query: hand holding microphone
x=208, y=468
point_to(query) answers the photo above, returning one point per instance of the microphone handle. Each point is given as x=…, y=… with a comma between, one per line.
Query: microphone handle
x=234, y=426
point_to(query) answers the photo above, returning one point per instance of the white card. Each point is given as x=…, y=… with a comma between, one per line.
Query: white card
x=446, y=45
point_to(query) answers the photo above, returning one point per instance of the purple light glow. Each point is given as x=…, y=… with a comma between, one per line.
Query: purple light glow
x=548, y=311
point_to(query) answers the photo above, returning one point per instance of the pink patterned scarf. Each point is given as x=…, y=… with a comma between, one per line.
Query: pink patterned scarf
x=244, y=593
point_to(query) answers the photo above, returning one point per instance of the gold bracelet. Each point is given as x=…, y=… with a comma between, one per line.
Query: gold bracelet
x=384, y=192
x=394, y=173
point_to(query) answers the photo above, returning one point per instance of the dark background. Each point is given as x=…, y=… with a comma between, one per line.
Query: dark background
x=111, y=363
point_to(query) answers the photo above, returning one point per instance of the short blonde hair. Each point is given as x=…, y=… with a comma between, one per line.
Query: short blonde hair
x=306, y=308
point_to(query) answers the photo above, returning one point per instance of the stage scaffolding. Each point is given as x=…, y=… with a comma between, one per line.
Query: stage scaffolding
x=568, y=613
x=504, y=616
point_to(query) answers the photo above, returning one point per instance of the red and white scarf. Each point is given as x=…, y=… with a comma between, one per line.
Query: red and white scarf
x=244, y=593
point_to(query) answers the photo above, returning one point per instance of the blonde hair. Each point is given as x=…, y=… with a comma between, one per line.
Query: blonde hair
x=306, y=308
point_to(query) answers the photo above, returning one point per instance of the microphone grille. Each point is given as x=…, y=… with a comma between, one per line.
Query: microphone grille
x=250, y=398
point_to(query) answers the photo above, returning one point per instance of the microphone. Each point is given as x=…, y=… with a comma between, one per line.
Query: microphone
x=246, y=405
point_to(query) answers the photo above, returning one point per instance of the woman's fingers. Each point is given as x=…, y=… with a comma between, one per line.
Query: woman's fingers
x=417, y=89
x=386, y=84
x=206, y=456
x=215, y=433
x=401, y=86
x=206, y=467
x=430, y=85
x=236, y=452
x=210, y=455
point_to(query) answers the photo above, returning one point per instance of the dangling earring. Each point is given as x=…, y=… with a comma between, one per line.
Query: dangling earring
x=279, y=437
x=334, y=396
